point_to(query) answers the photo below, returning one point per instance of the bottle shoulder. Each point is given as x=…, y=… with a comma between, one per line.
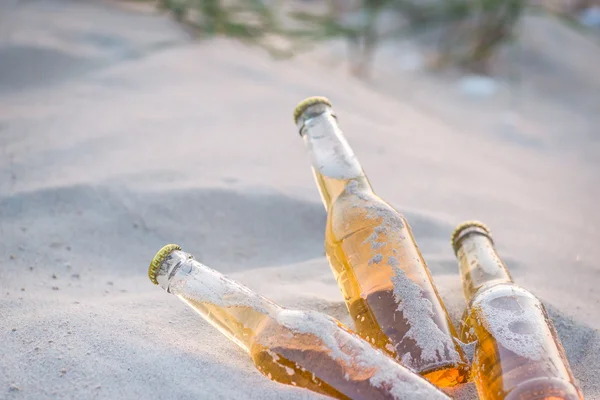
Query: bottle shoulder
x=502, y=290
x=507, y=304
x=352, y=212
x=298, y=328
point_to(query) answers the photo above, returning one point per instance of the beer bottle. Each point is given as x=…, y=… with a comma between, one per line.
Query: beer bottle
x=383, y=277
x=301, y=348
x=518, y=354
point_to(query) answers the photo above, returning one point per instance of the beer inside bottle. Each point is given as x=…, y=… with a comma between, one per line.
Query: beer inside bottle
x=518, y=355
x=300, y=348
x=385, y=281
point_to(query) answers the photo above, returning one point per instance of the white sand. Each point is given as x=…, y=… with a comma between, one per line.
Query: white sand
x=113, y=156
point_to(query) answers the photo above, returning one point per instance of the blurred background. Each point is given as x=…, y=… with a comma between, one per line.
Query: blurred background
x=126, y=125
x=526, y=69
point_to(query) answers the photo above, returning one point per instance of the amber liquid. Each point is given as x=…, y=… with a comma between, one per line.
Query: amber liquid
x=299, y=348
x=386, y=284
x=392, y=328
x=303, y=360
x=518, y=355
x=282, y=364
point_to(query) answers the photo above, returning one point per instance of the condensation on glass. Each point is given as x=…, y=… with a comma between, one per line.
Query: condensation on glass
x=518, y=355
x=300, y=348
x=384, y=279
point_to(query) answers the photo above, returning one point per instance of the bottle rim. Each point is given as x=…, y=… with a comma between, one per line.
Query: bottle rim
x=309, y=101
x=158, y=259
x=475, y=226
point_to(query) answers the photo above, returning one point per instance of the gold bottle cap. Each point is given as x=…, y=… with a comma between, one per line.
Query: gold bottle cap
x=467, y=225
x=309, y=101
x=158, y=259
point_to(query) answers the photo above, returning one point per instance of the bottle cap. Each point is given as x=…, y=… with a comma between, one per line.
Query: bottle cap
x=467, y=227
x=309, y=101
x=158, y=259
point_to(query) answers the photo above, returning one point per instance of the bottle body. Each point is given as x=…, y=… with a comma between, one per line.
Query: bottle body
x=518, y=355
x=384, y=279
x=301, y=348
x=312, y=350
x=388, y=289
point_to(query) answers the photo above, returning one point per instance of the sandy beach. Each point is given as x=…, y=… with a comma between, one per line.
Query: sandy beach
x=122, y=135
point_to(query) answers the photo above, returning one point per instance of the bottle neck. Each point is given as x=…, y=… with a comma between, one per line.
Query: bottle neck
x=479, y=263
x=333, y=161
x=235, y=310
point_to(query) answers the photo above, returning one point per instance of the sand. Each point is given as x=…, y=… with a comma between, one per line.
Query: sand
x=108, y=157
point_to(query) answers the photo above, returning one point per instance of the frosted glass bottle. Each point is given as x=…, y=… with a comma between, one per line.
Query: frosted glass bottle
x=374, y=257
x=302, y=348
x=518, y=355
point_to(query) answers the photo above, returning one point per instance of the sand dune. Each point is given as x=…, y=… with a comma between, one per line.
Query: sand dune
x=194, y=144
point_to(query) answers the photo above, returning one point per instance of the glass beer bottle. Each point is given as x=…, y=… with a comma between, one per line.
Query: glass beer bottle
x=383, y=277
x=518, y=355
x=301, y=348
